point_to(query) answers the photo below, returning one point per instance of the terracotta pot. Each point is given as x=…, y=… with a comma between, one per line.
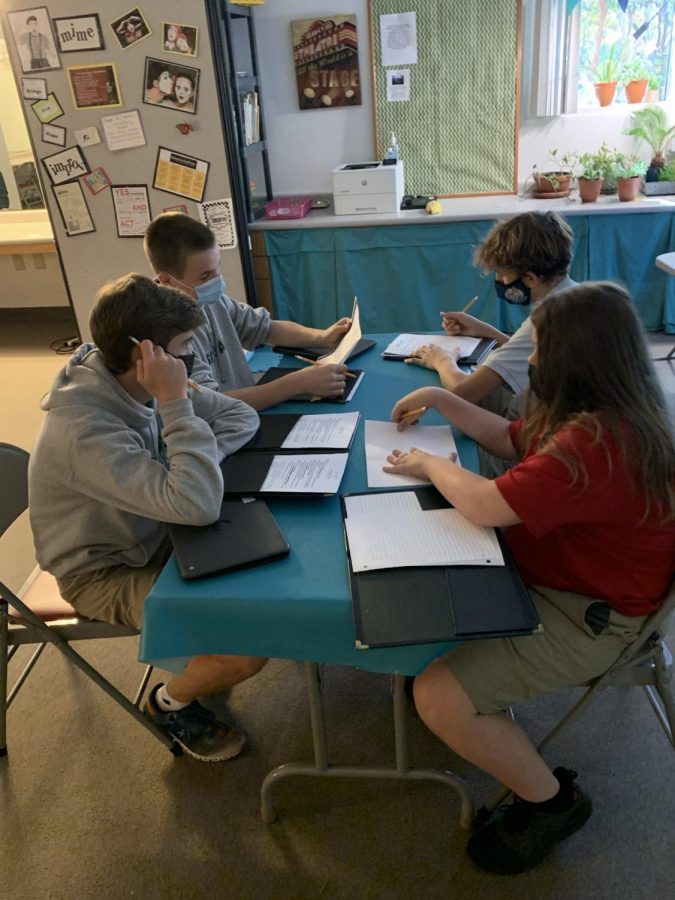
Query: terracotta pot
x=635, y=90
x=552, y=182
x=627, y=188
x=653, y=95
x=589, y=189
x=604, y=91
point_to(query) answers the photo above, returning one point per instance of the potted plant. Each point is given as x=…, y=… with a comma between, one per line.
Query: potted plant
x=628, y=173
x=634, y=77
x=651, y=124
x=554, y=180
x=590, y=176
x=606, y=75
x=653, y=87
x=665, y=183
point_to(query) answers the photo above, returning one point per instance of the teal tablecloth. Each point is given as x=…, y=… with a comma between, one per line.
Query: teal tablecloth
x=299, y=607
x=404, y=275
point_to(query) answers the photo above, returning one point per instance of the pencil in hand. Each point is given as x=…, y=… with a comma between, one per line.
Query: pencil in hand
x=413, y=412
x=315, y=362
x=447, y=316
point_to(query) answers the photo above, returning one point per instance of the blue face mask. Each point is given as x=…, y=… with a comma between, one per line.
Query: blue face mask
x=516, y=293
x=211, y=291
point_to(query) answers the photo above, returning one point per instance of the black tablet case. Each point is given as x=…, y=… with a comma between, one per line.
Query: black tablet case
x=474, y=359
x=361, y=346
x=276, y=372
x=274, y=429
x=244, y=474
x=245, y=534
x=439, y=603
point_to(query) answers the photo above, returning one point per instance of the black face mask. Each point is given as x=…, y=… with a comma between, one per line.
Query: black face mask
x=516, y=293
x=188, y=360
x=533, y=378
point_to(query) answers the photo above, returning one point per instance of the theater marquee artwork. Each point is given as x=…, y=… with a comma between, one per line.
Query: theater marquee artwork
x=326, y=57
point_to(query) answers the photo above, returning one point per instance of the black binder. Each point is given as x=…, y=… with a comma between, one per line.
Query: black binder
x=244, y=474
x=245, y=534
x=361, y=346
x=274, y=429
x=473, y=359
x=350, y=386
x=421, y=605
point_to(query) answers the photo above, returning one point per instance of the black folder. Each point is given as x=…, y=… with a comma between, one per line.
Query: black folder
x=245, y=534
x=244, y=474
x=361, y=346
x=273, y=430
x=441, y=603
x=473, y=359
x=350, y=386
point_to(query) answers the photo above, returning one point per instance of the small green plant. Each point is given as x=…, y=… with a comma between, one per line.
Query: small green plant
x=651, y=124
x=653, y=84
x=554, y=168
x=634, y=70
x=667, y=173
x=610, y=65
x=630, y=167
x=601, y=164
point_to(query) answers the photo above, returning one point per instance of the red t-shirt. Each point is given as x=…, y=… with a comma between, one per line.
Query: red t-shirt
x=587, y=539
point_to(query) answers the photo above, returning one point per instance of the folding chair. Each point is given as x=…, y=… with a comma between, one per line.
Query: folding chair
x=646, y=663
x=39, y=615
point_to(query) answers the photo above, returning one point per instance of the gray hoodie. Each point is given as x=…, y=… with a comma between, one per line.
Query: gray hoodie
x=108, y=471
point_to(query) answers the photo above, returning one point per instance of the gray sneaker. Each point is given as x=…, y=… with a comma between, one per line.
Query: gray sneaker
x=197, y=730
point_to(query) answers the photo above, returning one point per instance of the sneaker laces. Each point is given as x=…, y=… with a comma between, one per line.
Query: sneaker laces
x=195, y=720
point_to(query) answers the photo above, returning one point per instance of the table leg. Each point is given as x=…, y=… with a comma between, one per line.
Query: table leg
x=321, y=766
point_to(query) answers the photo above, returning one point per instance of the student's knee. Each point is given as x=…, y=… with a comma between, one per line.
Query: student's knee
x=238, y=668
x=439, y=697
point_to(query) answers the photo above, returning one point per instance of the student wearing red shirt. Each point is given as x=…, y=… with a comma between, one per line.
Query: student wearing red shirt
x=589, y=514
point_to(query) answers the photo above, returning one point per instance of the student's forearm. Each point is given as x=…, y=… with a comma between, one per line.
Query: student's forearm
x=471, y=386
x=489, y=331
x=264, y=395
x=291, y=334
x=477, y=498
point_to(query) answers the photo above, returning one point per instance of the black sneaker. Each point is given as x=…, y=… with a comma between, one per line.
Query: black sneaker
x=521, y=834
x=197, y=731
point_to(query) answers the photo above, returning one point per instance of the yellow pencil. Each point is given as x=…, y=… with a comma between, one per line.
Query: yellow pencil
x=470, y=304
x=414, y=412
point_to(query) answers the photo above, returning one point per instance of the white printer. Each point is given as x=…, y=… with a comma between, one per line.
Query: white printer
x=369, y=187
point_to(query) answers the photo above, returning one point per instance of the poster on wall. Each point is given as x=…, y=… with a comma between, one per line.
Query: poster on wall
x=97, y=180
x=170, y=85
x=326, y=57
x=94, y=87
x=123, y=130
x=34, y=88
x=177, y=173
x=130, y=28
x=179, y=38
x=132, y=209
x=54, y=134
x=32, y=33
x=73, y=208
x=219, y=217
x=78, y=33
x=67, y=165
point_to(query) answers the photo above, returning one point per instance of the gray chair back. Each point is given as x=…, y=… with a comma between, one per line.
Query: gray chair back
x=13, y=484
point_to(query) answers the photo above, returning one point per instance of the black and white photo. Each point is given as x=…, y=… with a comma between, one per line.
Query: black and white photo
x=32, y=33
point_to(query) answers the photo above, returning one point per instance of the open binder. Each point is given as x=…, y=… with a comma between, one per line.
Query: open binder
x=275, y=429
x=474, y=358
x=269, y=474
x=429, y=604
x=350, y=386
x=362, y=345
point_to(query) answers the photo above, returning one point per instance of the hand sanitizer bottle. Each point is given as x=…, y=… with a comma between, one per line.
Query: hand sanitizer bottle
x=392, y=150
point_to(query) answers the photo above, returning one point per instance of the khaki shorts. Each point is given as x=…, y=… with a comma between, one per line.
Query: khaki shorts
x=582, y=637
x=115, y=594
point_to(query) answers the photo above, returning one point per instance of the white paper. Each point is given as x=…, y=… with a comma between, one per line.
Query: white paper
x=132, y=209
x=123, y=130
x=398, y=85
x=73, y=208
x=307, y=473
x=398, y=33
x=332, y=431
x=348, y=342
x=406, y=344
x=87, y=137
x=391, y=530
x=382, y=437
x=218, y=216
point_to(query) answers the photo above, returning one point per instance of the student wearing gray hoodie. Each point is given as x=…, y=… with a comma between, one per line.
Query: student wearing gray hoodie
x=125, y=448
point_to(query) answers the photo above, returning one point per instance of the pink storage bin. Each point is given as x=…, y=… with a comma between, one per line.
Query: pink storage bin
x=288, y=207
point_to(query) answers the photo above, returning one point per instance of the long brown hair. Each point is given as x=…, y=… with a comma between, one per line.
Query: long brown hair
x=594, y=370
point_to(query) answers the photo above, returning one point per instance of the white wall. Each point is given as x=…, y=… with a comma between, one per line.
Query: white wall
x=306, y=145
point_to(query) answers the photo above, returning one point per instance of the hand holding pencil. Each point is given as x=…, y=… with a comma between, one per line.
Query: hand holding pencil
x=409, y=409
x=459, y=323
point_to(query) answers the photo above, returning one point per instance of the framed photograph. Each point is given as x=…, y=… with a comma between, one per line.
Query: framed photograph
x=179, y=38
x=326, y=67
x=47, y=110
x=34, y=40
x=97, y=180
x=132, y=209
x=54, y=134
x=75, y=33
x=73, y=208
x=130, y=28
x=123, y=130
x=94, y=86
x=67, y=165
x=34, y=88
x=177, y=173
x=170, y=85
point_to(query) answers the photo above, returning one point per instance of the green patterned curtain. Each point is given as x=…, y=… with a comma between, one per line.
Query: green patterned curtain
x=457, y=134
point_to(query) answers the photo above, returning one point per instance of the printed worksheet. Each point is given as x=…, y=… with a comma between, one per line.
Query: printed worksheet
x=391, y=530
x=307, y=473
x=348, y=342
x=332, y=431
x=383, y=437
x=406, y=344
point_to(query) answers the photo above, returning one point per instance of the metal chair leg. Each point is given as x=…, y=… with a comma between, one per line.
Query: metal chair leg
x=3, y=677
x=138, y=699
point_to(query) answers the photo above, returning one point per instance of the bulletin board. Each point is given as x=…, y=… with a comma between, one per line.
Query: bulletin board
x=458, y=130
